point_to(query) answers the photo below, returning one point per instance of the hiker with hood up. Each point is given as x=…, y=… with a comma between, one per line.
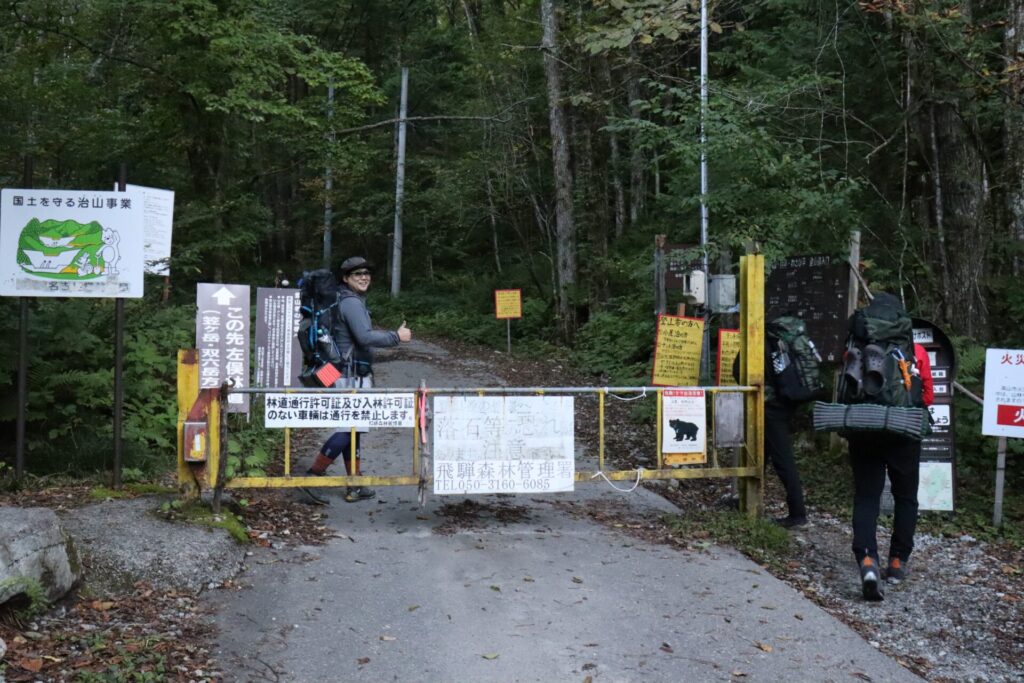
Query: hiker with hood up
x=355, y=337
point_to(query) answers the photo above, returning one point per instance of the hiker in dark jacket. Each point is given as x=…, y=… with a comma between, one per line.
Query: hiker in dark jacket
x=355, y=337
x=873, y=455
x=778, y=441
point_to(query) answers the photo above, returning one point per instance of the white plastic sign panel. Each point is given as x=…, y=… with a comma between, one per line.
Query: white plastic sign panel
x=340, y=411
x=157, y=227
x=75, y=243
x=503, y=444
x=1003, y=414
x=683, y=421
x=222, y=339
x=935, y=488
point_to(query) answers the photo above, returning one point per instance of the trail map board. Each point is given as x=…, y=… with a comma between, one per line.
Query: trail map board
x=816, y=288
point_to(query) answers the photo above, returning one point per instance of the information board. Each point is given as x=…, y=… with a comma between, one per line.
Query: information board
x=677, y=348
x=340, y=411
x=680, y=261
x=278, y=356
x=503, y=444
x=683, y=426
x=222, y=339
x=74, y=243
x=816, y=289
x=508, y=304
x=157, y=227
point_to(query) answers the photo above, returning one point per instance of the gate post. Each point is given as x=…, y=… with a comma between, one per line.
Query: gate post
x=752, y=374
x=188, y=391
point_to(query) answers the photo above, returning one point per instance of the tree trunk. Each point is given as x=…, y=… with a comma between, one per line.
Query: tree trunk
x=565, y=228
x=961, y=183
x=1015, y=129
x=637, y=189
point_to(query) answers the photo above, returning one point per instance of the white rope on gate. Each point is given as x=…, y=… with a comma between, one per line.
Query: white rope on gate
x=643, y=394
x=639, y=475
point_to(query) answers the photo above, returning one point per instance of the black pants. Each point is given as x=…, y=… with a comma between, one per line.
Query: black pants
x=872, y=455
x=778, y=443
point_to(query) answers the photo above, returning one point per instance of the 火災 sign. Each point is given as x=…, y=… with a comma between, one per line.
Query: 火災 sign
x=1004, y=393
x=222, y=339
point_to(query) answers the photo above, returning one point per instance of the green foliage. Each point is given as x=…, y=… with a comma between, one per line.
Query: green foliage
x=196, y=512
x=31, y=599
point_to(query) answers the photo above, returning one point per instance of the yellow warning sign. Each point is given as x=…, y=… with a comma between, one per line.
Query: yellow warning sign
x=728, y=348
x=508, y=303
x=677, y=348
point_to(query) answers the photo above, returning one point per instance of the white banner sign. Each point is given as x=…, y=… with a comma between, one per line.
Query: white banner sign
x=340, y=411
x=1003, y=414
x=76, y=243
x=509, y=444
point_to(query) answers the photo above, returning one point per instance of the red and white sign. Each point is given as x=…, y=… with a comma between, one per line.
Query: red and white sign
x=1004, y=393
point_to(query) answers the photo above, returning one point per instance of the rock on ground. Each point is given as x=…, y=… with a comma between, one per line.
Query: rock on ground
x=122, y=542
x=34, y=547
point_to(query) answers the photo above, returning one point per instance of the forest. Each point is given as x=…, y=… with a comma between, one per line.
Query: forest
x=548, y=144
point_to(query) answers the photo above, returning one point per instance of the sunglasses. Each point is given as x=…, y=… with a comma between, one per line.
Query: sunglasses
x=360, y=273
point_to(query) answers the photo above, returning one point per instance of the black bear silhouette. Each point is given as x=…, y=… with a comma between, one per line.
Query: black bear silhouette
x=685, y=431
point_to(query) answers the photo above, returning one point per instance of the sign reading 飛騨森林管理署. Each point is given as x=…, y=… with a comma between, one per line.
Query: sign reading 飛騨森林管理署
x=75, y=243
x=1003, y=414
x=503, y=444
x=222, y=339
x=344, y=411
x=677, y=349
x=278, y=356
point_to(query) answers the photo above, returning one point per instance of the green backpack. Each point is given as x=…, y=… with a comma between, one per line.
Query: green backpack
x=795, y=361
x=878, y=366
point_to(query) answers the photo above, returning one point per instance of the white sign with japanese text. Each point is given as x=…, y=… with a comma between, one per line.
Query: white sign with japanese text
x=222, y=339
x=157, y=227
x=503, y=444
x=1003, y=414
x=684, y=421
x=340, y=411
x=75, y=243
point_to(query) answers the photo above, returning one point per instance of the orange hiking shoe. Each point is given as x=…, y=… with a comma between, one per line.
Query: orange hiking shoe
x=870, y=579
x=897, y=571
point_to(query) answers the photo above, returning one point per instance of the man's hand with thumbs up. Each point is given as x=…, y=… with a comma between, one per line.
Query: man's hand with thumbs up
x=404, y=333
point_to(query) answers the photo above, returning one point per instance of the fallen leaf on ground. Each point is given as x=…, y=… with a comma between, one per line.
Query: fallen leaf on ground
x=413, y=608
x=490, y=655
x=363, y=660
x=387, y=638
x=665, y=647
x=764, y=646
x=33, y=665
x=577, y=579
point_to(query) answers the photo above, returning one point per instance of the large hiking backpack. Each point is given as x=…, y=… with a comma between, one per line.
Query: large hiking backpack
x=318, y=297
x=795, y=361
x=878, y=366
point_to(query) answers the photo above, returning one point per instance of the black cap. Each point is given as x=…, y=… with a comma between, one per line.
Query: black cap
x=354, y=263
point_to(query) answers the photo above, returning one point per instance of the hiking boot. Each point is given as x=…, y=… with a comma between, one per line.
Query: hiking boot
x=354, y=494
x=897, y=571
x=316, y=494
x=791, y=522
x=870, y=579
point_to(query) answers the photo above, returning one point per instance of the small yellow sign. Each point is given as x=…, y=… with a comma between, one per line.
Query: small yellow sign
x=508, y=303
x=677, y=349
x=729, y=345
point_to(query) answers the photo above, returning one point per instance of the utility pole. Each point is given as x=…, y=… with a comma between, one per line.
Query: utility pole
x=706, y=346
x=329, y=177
x=396, y=257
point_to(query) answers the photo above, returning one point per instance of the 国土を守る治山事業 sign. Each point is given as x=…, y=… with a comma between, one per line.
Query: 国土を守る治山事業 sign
x=74, y=243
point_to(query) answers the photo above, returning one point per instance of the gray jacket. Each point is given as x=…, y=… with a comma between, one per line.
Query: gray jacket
x=353, y=331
